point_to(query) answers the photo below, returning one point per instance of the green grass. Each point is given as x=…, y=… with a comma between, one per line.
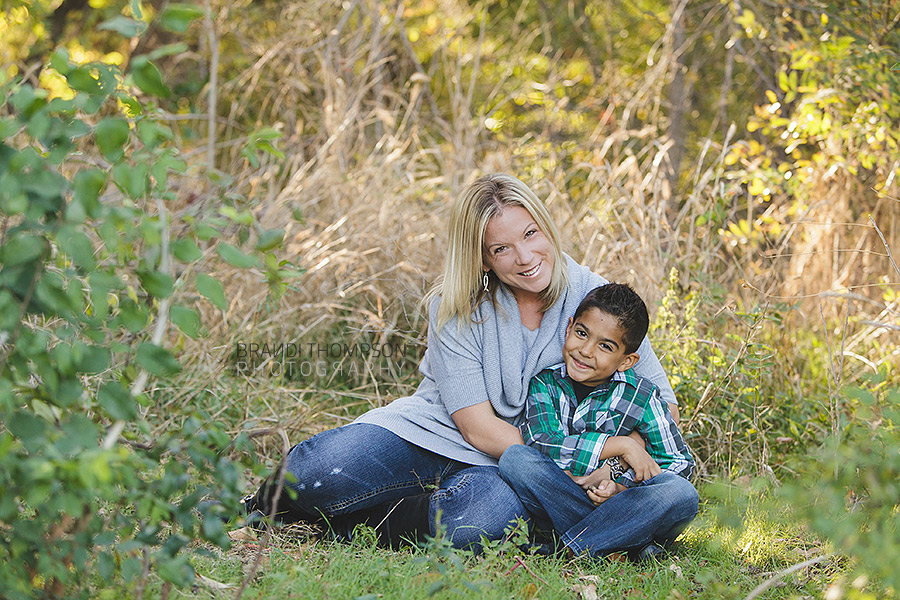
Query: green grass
x=709, y=561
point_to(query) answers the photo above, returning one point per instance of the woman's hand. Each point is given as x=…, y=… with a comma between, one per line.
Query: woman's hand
x=481, y=427
x=592, y=479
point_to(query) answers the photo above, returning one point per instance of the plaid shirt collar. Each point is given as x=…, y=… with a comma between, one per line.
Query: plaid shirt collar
x=627, y=377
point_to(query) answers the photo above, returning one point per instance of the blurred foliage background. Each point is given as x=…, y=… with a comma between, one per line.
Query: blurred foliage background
x=735, y=161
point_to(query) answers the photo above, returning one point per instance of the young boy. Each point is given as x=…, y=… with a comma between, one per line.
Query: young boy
x=580, y=414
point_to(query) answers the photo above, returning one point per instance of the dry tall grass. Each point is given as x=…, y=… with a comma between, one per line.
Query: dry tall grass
x=373, y=159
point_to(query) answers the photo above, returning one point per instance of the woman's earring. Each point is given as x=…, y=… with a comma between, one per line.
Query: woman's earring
x=485, y=281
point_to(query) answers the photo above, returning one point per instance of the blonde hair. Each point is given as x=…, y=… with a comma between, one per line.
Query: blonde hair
x=461, y=288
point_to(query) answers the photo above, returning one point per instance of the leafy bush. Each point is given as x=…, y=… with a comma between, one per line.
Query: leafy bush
x=92, y=262
x=848, y=491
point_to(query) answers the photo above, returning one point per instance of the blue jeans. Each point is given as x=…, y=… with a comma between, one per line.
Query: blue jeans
x=657, y=510
x=359, y=466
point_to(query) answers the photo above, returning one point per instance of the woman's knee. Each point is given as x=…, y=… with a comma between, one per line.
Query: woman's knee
x=332, y=468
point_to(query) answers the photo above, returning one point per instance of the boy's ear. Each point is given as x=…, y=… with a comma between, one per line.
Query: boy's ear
x=569, y=325
x=628, y=361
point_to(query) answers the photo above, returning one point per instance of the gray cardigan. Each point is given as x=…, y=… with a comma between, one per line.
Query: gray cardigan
x=484, y=361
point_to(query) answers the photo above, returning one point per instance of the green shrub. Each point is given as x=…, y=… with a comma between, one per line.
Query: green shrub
x=92, y=263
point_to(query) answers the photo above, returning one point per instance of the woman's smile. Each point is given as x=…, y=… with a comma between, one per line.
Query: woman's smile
x=518, y=252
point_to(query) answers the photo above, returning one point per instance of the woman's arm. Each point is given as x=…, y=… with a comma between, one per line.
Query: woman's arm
x=482, y=428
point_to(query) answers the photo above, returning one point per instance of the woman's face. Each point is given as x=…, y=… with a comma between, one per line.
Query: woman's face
x=518, y=252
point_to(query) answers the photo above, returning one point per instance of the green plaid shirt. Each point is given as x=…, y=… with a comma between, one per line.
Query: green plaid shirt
x=573, y=434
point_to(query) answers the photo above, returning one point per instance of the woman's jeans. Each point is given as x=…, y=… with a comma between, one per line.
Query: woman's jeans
x=657, y=510
x=359, y=466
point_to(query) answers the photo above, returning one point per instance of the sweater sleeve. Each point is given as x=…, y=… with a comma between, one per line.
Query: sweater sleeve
x=456, y=358
x=650, y=368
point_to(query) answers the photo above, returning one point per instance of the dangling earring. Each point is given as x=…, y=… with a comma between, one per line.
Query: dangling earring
x=485, y=281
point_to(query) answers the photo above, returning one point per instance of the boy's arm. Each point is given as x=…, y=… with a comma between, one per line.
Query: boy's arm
x=579, y=454
x=664, y=442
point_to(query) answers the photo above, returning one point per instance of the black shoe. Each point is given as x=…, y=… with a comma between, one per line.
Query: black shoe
x=652, y=552
x=396, y=522
x=247, y=516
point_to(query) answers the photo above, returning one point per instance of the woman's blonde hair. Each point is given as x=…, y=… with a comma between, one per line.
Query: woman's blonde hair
x=461, y=288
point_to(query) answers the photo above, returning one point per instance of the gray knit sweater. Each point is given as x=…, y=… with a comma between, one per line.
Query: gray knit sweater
x=484, y=361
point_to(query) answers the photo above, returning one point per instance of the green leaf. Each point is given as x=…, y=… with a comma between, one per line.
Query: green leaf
x=157, y=360
x=132, y=105
x=157, y=284
x=132, y=178
x=46, y=184
x=186, y=250
x=244, y=217
x=86, y=188
x=167, y=50
x=261, y=141
x=8, y=127
x=79, y=433
x=117, y=402
x=124, y=26
x=131, y=316
x=235, y=257
x=269, y=239
x=111, y=134
x=78, y=247
x=60, y=61
x=28, y=428
x=187, y=320
x=205, y=232
x=81, y=79
x=9, y=311
x=176, y=570
x=21, y=249
x=91, y=359
x=152, y=134
x=178, y=17
x=210, y=288
x=161, y=167
x=148, y=78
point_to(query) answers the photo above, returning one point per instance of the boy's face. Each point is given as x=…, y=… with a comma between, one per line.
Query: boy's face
x=593, y=349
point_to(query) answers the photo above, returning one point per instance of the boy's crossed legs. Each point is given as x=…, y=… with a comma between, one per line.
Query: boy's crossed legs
x=657, y=510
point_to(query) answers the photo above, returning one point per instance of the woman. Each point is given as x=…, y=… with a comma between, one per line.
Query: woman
x=497, y=317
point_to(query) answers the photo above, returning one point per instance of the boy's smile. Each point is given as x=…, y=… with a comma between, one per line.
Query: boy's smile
x=594, y=349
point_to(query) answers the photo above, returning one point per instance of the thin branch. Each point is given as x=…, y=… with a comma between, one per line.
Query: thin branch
x=213, y=87
x=159, y=330
x=886, y=247
x=777, y=576
x=521, y=563
x=272, y=512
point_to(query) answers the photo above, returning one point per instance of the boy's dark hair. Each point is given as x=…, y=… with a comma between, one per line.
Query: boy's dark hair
x=623, y=303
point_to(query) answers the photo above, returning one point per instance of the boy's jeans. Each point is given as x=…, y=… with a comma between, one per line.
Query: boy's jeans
x=359, y=466
x=657, y=510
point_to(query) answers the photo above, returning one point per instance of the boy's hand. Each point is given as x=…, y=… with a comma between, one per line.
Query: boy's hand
x=604, y=491
x=635, y=455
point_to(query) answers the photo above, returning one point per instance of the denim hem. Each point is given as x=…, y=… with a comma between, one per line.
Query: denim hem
x=572, y=544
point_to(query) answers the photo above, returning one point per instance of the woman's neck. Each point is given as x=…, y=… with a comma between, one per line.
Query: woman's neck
x=530, y=312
